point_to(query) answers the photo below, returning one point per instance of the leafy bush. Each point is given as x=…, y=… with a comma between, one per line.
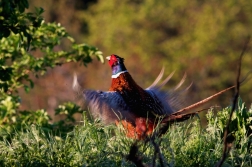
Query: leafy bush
x=23, y=34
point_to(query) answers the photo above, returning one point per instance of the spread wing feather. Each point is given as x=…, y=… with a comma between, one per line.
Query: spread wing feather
x=108, y=106
x=174, y=98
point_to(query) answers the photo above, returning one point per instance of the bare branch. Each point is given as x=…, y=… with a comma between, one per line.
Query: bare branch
x=133, y=157
x=157, y=152
x=227, y=145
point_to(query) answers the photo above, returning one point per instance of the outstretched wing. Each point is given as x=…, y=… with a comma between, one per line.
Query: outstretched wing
x=108, y=106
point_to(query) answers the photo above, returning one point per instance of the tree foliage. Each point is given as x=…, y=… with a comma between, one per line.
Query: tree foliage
x=23, y=35
x=14, y=19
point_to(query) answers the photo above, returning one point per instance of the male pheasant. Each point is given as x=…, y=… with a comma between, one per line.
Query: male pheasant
x=137, y=109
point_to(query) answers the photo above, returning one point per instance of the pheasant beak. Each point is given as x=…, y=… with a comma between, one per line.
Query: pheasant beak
x=108, y=57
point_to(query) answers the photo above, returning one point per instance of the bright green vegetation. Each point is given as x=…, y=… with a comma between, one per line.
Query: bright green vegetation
x=91, y=144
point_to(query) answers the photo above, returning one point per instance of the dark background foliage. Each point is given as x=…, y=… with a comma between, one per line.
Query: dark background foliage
x=202, y=38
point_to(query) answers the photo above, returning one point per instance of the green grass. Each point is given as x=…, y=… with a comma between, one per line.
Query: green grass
x=91, y=144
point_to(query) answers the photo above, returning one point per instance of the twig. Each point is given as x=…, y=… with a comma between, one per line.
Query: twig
x=154, y=159
x=133, y=157
x=227, y=145
x=157, y=152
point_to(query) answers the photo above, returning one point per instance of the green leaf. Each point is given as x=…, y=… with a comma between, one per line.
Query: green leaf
x=27, y=88
x=31, y=83
x=39, y=10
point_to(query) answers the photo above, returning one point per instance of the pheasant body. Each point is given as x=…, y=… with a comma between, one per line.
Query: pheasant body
x=141, y=102
x=126, y=103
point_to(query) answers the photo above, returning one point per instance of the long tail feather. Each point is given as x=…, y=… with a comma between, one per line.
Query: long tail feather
x=167, y=121
x=195, y=105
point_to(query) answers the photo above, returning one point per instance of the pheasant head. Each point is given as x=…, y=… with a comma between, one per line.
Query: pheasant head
x=121, y=79
x=117, y=65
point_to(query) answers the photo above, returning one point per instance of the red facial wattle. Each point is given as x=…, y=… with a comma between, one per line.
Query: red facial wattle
x=112, y=59
x=111, y=62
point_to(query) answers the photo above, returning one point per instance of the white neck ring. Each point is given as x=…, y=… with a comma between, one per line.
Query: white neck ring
x=117, y=75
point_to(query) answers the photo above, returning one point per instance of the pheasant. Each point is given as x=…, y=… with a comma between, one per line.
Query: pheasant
x=137, y=109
